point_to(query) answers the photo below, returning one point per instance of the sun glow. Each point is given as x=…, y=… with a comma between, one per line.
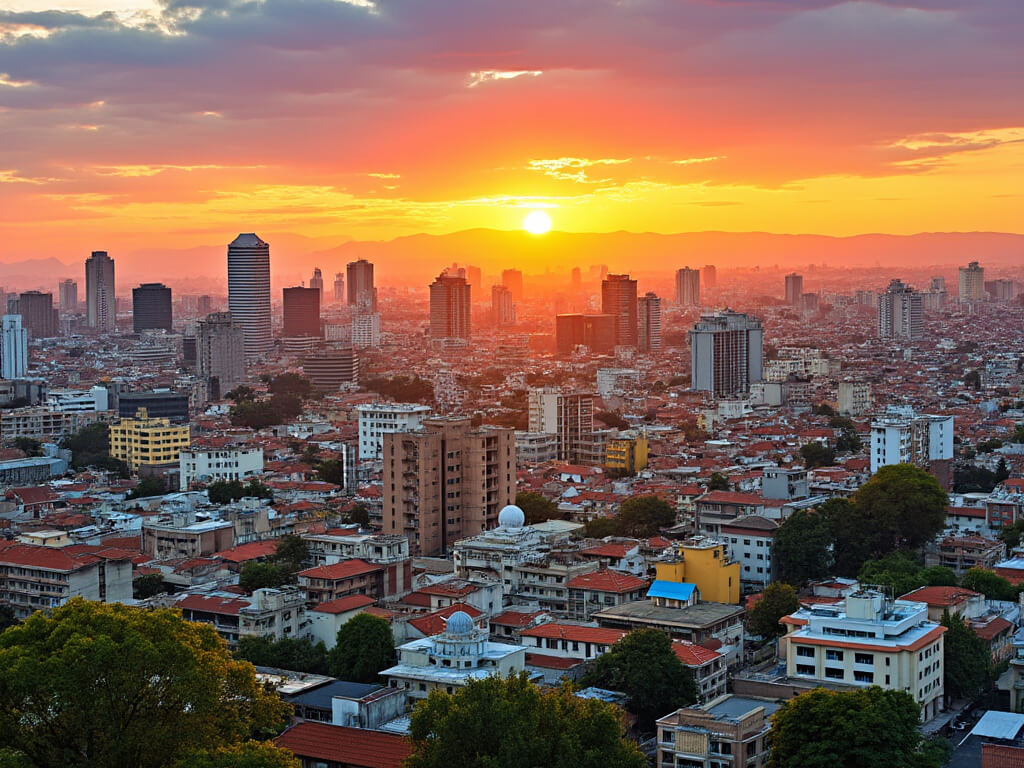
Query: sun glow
x=537, y=223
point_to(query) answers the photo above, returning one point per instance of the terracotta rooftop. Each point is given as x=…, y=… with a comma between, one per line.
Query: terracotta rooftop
x=343, y=570
x=351, y=747
x=607, y=580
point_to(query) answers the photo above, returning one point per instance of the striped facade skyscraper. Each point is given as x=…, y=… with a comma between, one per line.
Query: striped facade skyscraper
x=249, y=292
x=101, y=306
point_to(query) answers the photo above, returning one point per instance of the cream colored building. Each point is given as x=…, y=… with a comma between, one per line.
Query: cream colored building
x=145, y=441
x=869, y=640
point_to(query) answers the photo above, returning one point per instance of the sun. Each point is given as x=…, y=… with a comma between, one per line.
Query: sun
x=537, y=223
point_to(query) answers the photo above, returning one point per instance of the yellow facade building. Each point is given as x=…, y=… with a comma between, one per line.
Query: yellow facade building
x=145, y=441
x=626, y=454
x=706, y=564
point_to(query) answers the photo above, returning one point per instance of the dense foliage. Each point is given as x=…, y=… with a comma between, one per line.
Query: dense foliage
x=537, y=508
x=966, y=663
x=298, y=654
x=364, y=647
x=817, y=454
x=402, y=389
x=228, y=491
x=802, y=547
x=90, y=447
x=778, y=600
x=281, y=568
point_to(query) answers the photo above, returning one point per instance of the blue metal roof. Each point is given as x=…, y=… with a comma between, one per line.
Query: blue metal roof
x=671, y=590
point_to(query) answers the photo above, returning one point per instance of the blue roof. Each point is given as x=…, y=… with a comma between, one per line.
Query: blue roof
x=673, y=590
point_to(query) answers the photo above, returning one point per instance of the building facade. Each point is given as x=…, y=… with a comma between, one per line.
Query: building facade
x=619, y=299
x=688, y=287
x=649, y=323
x=151, y=307
x=567, y=415
x=900, y=312
x=249, y=292
x=147, y=442
x=14, y=351
x=301, y=307
x=971, y=282
x=211, y=465
x=379, y=419
x=100, y=298
x=450, y=308
x=220, y=353
x=329, y=369
x=726, y=353
x=361, y=290
x=794, y=289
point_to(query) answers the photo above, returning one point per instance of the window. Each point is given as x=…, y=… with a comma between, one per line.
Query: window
x=864, y=677
x=864, y=658
x=803, y=650
x=832, y=655
x=834, y=674
x=804, y=669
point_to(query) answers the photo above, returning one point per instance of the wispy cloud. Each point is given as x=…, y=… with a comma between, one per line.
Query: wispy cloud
x=574, y=168
x=490, y=75
x=698, y=160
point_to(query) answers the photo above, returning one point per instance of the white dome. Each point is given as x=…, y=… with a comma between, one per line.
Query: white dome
x=459, y=623
x=511, y=517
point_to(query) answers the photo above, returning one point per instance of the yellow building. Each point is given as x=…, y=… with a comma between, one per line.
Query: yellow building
x=626, y=454
x=706, y=564
x=143, y=441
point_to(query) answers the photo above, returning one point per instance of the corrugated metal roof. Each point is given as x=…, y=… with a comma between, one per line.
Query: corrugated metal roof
x=671, y=590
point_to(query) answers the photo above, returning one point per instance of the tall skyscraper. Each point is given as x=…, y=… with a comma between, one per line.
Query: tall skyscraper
x=328, y=368
x=475, y=278
x=151, y=307
x=709, y=276
x=503, y=308
x=14, y=353
x=301, y=312
x=618, y=298
x=794, y=289
x=688, y=287
x=649, y=323
x=100, y=301
x=361, y=291
x=316, y=282
x=249, y=292
x=220, y=353
x=450, y=307
x=900, y=312
x=67, y=292
x=339, y=288
x=972, y=282
x=726, y=353
x=38, y=315
x=513, y=280
x=569, y=415
x=435, y=500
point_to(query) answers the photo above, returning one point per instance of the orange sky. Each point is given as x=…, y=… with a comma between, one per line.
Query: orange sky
x=181, y=124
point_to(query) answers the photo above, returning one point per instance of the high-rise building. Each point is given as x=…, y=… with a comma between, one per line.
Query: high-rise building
x=568, y=415
x=67, y=293
x=513, y=280
x=379, y=419
x=329, y=368
x=14, y=353
x=794, y=289
x=503, y=308
x=618, y=298
x=649, y=323
x=249, y=292
x=38, y=315
x=316, y=282
x=972, y=282
x=1001, y=289
x=100, y=302
x=709, y=276
x=220, y=353
x=726, y=353
x=475, y=278
x=450, y=308
x=339, y=288
x=361, y=291
x=146, y=441
x=151, y=307
x=900, y=312
x=204, y=305
x=301, y=312
x=366, y=330
x=446, y=481
x=903, y=437
x=595, y=332
x=688, y=287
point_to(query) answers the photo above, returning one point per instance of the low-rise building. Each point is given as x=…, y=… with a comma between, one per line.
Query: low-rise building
x=727, y=732
x=592, y=592
x=706, y=563
x=147, y=442
x=211, y=465
x=570, y=641
x=325, y=619
x=750, y=540
x=271, y=613
x=348, y=577
x=708, y=667
x=186, y=537
x=626, y=454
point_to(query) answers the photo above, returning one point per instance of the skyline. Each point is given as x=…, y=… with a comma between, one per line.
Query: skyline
x=180, y=123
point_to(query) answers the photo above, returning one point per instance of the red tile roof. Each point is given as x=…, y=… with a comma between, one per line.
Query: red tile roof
x=693, y=655
x=446, y=589
x=731, y=497
x=343, y=604
x=354, y=747
x=615, y=549
x=943, y=597
x=1001, y=756
x=227, y=606
x=49, y=558
x=515, y=618
x=993, y=628
x=551, y=662
x=434, y=623
x=607, y=580
x=575, y=633
x=343, y=570
x=250, y=551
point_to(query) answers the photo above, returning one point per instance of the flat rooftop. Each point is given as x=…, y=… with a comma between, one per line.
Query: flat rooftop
x=695, y=616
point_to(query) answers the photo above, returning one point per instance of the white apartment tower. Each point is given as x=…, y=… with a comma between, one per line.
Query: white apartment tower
x=901, y=437
x=568, y=415
x=649, y=322
x=249, y=292
x=14, y=355
x=220, y=353
x=379, y=419
x=900, y=312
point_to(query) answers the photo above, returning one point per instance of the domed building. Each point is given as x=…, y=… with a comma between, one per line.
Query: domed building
x=451, y=659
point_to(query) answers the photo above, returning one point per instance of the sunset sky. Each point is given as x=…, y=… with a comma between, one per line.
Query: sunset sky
x=124, y=124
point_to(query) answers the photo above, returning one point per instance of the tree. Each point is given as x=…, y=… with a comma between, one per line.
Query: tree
x=365, y=647
x=778, y=600
x=972, y=379
x=290, y=384
x=643, y=516
x=537, y=508
x=644, y=667
x=966, y=660
x=612, y=419
x=330, y=471
x=30, y=446
x=1011, y=534
x=404, y=389
x=802, y=547
x=227, y=491
x=823, y=409
x=255, y=414
x=7, y=617
x=817, y=454
x=261, y=575
x=359, y=514
x=990, y=584
x=905, y=504
x=148, y=486
x=240, y=393
x=601, y=527
x=902, y=574
x=107, y=685
x=148, y=585
x=298, y=654
x=848, y=440
x=718, y=482
x=1002, y=471
x=866, y=728
x=90, y=447
x=251, y=754
x=511, y=723
x=292, y=552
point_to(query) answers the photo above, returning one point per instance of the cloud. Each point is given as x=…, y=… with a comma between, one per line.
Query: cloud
x=491, y=75
x=574, y=168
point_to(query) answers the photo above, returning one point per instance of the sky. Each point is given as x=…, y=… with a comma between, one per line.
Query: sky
x=127, y=124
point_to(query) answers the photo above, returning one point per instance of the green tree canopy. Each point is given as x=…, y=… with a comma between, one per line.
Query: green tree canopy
x=600, y=527
x=107, y=686
x=365, y=647
x=330, y=471
x=817, y=454
x=866, y=728
x=403, y=389
x=227, y=491
x=148, y=486
x=30, y=446
x=966, y=662
x=90, y=447
x=644, y=667
x=148, y=585
x=290, y=384
x=299, y=654
x=802, y=547
x=903, y=574
x=990, y=584
x=779, y=600
x=1011, y=534
x=250, y=754
x=537, y=508
x=904, y=504
x=718, y=482
x=643, y=516
x=510, y=723
x=240, y=393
